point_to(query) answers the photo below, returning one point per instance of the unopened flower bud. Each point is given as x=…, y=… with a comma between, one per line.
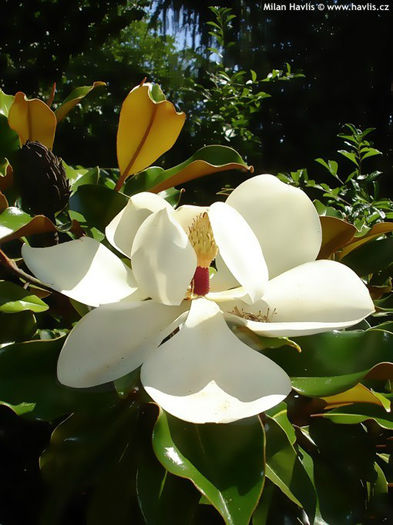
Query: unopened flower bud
x=41, y=180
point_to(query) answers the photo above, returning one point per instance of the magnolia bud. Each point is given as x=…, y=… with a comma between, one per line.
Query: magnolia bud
x=41, y=180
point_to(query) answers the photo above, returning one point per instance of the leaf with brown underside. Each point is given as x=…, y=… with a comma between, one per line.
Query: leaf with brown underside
x=336, y=233
x=147, y=129
x=32, y=119
x=376, y=231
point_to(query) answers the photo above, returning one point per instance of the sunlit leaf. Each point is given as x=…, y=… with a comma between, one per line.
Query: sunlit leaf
x=205, y=161
x=74, y=98
x=147, y=129
x=359, y=413
x=32, y=119
x=14, y=298
x=357, y=394
x=6, y=102
x=225, y=462
x=15, y=223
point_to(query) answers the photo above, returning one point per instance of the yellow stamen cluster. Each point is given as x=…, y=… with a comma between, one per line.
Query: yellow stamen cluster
x=201, y=237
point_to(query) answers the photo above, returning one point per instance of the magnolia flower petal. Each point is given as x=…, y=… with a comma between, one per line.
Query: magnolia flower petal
x=121, y=231
x=82, y=269
x=239, y=248
x=283, y=218
x=185, y=215
x=204, y=373
x=222, y=279
x=163, y=260
x=315, y=297
x=113, y=340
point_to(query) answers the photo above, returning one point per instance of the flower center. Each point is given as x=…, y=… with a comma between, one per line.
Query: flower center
x=202, y=240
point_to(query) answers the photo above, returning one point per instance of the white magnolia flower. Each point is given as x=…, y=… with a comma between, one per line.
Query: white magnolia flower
x=264, y=241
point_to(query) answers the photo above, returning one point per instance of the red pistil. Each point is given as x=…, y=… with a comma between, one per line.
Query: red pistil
x=201, y=282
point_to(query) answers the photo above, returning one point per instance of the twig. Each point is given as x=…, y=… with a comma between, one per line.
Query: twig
x=12, y=268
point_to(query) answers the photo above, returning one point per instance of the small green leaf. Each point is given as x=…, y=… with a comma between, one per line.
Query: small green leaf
x=359, y=413
x=349, y=155
x=225, y=462
x=14, y=299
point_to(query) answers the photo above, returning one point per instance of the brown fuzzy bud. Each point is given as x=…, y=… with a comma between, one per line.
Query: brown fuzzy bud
x=40, y=177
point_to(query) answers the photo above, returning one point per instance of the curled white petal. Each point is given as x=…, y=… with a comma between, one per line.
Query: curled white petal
x=121, y=231
x=113, y=340
x=239, y=248
x=82, y=269
x=283, y=218
x=206, y=374
x=314, y=297
x=163, y=260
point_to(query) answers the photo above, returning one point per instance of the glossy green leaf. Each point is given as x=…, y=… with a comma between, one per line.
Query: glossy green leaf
x=225, y=462
x=11, y=220
x=6, y=102
x=163, y=498
x=335, y=361
x=280, y=415
x=285, y=470
x=275, y=508
x=207, y=160
x=79, y=175
x=345, y=461
x=358, y=413
x=97, y=204
x=261, y=514
x=82, y=450
x=28, y=375
x=371, y=257
x=16, y=327
x=14, y=298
